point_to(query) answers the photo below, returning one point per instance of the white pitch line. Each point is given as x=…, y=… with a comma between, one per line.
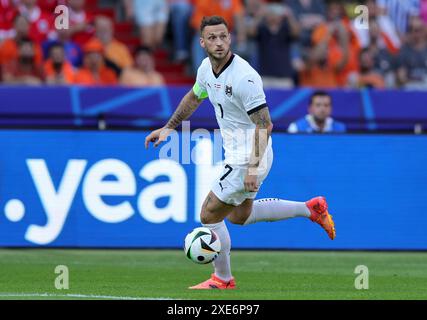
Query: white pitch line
x=75, y=295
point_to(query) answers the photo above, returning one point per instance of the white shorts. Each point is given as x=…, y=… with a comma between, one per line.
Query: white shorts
x=150, y=12
x=229, y=187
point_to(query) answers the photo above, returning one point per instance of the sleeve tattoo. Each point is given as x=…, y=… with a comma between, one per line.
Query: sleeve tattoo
x=184, y=110
x=263, y=123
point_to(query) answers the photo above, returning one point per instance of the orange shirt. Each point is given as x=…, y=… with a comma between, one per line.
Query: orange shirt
x=85, y=77
x=136, y=78
x=9, y=52
x=335, y=52
x=118, y=53
x=67, y=71
x=226, y=9
x=319, y=77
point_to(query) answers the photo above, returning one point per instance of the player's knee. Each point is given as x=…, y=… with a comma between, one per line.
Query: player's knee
x=206, y=217
x=236, y=219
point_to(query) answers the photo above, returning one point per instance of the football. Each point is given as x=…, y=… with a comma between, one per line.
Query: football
x=202, y=245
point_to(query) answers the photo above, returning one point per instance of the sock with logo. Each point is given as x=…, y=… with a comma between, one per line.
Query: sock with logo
x=273, y=209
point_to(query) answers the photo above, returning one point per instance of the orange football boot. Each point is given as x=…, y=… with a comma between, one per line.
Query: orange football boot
x=319, y=213
x=215, y=283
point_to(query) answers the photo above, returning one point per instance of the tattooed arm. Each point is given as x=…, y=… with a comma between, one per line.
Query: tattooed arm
x=185, y=109
x=264, y=126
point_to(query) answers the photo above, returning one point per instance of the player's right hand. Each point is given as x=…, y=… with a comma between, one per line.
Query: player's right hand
x=157, y=136
x=251, y=182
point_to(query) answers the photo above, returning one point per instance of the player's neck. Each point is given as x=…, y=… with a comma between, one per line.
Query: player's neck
x=217, y=65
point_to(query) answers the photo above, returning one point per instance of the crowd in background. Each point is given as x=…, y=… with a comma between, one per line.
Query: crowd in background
x=33, y=51
x=317, y=43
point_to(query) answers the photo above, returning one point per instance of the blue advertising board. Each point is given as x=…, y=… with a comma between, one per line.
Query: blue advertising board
x=360, y=110
x=104, y=189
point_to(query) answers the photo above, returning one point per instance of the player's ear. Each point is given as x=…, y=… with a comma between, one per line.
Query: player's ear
x=202, y=41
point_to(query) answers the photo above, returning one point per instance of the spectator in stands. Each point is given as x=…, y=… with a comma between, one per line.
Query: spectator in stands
x=318, y=119
x=180, y=13
x=115, y=51
x=57, y=69
x=41, y=23
x=231, y=10
x=309, y=13
x=23, y=70
x=7, y=15
x=254, y=14
x=412, y=60
x=320, y=67
x=275, y=35
x=9, y=47
x=384, y=58
x=381, y=30
x=94, y=71
x=81, y=22
x=335, y=51
x=152, y=17
x=368, y=76
x=400, y=12
x=73, y=52
x=144, y=72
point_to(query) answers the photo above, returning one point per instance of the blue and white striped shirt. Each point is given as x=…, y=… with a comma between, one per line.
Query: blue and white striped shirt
x=400, y=11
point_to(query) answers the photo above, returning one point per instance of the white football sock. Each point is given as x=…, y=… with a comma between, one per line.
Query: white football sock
x=222, y=262
x=274, y=209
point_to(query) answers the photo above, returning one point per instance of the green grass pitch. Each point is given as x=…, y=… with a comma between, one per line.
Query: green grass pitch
x=159, y=274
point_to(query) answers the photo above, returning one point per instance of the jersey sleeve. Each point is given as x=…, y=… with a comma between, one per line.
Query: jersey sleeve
x=199, y=88
x=251, y=93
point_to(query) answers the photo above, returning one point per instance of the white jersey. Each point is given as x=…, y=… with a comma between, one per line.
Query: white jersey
x=235, y=92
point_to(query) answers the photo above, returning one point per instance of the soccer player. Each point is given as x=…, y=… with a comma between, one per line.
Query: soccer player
x=235, y=90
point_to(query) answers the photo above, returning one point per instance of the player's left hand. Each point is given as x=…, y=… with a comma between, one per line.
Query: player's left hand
x=251, y=182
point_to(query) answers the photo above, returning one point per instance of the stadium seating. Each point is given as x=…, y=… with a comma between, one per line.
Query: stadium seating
x=173, y=73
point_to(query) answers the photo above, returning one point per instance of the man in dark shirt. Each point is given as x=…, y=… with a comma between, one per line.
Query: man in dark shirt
x=309, y=14
x=275, y=36
x=412, y=60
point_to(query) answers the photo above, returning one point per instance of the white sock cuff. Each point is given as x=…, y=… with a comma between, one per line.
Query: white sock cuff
x=214, y=226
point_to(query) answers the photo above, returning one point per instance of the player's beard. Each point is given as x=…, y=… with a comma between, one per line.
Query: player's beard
x=216, y=58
